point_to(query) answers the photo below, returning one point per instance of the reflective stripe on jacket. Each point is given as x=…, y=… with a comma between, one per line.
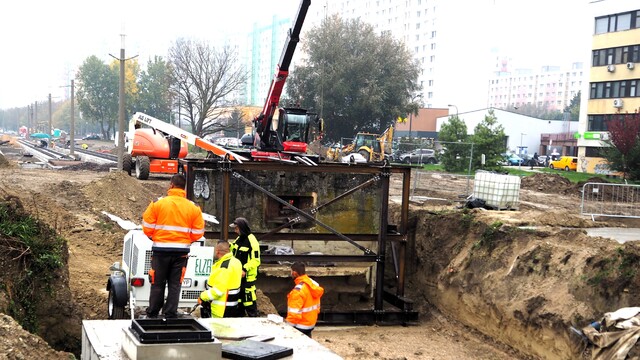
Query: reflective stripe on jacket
x=303, y=303
x=173, y=222
x=223, y=285
x=247, y=250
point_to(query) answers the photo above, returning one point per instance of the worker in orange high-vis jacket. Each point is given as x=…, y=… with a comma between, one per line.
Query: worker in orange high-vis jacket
x=172, y=223
x=303, y=302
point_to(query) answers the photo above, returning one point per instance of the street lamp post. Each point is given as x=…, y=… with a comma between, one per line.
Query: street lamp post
x=521, y=148
x=451, y=105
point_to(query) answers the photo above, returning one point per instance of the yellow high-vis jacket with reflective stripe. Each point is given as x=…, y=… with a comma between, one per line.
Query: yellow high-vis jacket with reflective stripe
x=173, y=222
x=303, y=303
x=223, y=285
x=247, y=250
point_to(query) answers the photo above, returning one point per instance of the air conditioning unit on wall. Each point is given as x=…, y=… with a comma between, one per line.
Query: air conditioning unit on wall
x=617, y=103
x=611, y=68
x=630, y=65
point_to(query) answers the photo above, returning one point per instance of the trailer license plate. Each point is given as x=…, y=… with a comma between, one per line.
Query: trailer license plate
x=186, y=283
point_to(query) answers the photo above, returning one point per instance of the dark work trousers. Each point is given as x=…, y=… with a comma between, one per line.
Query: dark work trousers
x=168, y=270
x=247, y=301
x=305, y=331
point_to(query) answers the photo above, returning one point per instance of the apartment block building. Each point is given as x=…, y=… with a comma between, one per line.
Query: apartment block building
x=613, y=77
x=549, y=87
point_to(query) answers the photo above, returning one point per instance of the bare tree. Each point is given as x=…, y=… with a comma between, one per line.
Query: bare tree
x=205, y=78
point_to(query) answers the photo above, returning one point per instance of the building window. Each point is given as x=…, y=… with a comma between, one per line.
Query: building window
x=597, y=122
x=430, y=95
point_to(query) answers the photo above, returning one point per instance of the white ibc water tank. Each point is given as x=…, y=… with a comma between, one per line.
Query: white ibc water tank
x=497, y=190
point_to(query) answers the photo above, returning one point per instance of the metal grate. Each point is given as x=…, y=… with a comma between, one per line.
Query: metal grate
x=134, y=266
x=613, y=200
x=190, y=294
x=147, y=262
x=127, y=251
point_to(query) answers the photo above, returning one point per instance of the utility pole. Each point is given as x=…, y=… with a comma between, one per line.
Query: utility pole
x=122, y=59
x=35, y=116
x=50, y=121
x=73, y=128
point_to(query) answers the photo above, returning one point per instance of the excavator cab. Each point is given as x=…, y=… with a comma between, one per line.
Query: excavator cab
x=292, y=129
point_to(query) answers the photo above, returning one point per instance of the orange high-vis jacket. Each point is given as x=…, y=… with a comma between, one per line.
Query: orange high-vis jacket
x=173, y=222
x=303, y=303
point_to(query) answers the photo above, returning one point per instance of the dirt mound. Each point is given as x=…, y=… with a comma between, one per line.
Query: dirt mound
x=119, y=194
x=547, y=183
x=90, y=166
x=17, y=343
x=3, y=161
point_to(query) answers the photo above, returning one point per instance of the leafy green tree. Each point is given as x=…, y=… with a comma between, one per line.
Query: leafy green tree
x=453, y=138
x=353, y=77
x=536, y=111
x=155, y=96
x=131, y=89
x=574, y=107
x=97, y=94
x=489, y=139
x=204, y=77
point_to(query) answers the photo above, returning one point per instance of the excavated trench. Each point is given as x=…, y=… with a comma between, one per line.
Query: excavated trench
x=522, y=287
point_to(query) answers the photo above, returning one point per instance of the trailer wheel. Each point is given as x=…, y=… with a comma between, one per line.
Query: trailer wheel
x=114, y=311
x=127, y=163
x=142, y=167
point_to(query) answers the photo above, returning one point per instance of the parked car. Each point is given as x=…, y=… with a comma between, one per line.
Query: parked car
x=512, y=159
x=568, y=163
x=419, y=156
x=91, y=137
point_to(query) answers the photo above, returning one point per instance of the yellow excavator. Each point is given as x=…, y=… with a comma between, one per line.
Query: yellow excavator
x=372, y=147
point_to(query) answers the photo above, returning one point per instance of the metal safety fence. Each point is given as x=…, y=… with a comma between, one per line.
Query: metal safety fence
x=613, y=200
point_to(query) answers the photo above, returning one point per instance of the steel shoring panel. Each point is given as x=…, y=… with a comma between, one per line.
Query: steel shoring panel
x=319, y=258
x=404, y=314
x=313, y=237
x=301, y=212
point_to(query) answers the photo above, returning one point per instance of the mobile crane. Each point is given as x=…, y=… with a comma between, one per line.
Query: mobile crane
x=283, y=133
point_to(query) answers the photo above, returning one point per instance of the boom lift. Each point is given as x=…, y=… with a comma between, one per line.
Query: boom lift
x=157, y=149
x=283, y=133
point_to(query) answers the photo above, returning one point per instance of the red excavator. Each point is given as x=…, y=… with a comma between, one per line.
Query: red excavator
x=283, y=133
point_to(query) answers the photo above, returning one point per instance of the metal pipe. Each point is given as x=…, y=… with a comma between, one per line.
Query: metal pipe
x=382, y=238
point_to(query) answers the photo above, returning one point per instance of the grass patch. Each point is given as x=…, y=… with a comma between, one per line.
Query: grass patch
x=37, y=252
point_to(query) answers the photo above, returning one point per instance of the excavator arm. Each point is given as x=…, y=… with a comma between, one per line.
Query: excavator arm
x=183, y=135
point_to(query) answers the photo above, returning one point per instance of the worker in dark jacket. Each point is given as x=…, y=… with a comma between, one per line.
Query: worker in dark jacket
x=303, y=302
x=223, y=285
x=173, y=223
x=246, y=249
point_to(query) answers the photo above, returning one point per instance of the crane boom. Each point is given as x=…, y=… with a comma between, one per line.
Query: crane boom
x=263, y=121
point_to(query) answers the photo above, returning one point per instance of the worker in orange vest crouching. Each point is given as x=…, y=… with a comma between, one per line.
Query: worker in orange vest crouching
x=303, y=302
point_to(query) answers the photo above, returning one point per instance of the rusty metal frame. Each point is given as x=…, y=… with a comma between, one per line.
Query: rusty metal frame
x=397, y=237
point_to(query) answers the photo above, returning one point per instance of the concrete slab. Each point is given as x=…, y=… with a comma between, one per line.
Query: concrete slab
x=103, y=339
x=234, y=329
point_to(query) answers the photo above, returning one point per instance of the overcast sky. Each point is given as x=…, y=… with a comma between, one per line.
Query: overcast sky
x=44, y=42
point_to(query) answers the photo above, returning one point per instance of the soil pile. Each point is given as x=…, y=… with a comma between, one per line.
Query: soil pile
x=17, y=343
x=3, y=161
x=547, y=183
x=89, y=166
